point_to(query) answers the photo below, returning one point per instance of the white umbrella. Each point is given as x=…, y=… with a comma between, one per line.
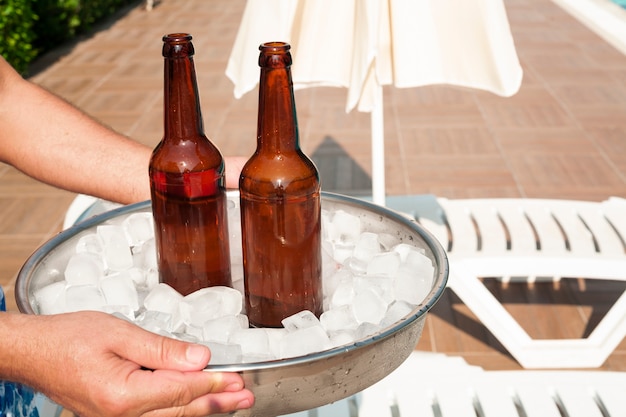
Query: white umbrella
x=364, y=44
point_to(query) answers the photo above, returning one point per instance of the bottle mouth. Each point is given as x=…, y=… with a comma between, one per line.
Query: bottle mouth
x=276, y=47
x=177, y=37
x=177, y=45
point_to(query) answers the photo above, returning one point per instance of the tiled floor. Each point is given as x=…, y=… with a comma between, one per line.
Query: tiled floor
x=562, y=136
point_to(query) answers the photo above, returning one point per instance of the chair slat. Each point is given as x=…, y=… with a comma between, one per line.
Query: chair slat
x=495, y=400
x=607, y=238
x=464, y=237
x=578, y=401
x=536, y=401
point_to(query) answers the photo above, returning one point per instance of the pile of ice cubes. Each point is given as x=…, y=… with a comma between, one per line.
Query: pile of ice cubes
x=371, y=281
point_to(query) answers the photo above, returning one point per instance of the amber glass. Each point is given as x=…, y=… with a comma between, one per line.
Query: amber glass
x=280, y=205
x=187, y=183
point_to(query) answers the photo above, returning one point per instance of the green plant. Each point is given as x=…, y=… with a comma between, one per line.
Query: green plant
x=32, y=27
x=17, y=34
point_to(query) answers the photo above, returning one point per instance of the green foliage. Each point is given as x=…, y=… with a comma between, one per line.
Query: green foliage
x=16, y=32
x=33, y=27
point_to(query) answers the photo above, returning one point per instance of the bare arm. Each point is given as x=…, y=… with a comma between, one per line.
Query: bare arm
x=93, y=363
x=54, y=142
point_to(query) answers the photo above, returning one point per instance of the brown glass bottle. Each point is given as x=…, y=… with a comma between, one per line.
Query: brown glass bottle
x=280, y=205
x=187, y=183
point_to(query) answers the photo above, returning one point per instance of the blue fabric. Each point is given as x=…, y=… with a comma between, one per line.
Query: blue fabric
x=16, y=400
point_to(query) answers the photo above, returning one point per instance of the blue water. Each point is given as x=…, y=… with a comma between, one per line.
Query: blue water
x=620, y=3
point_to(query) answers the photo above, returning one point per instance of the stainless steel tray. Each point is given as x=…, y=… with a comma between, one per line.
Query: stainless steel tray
x=295, y=384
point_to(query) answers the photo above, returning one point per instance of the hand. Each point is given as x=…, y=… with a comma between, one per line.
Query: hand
x=94, y=364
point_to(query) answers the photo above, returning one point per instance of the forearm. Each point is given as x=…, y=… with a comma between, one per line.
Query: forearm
x=21, y=351
x=52, y=141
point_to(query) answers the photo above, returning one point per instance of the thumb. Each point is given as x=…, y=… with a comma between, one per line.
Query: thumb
x=158, y=352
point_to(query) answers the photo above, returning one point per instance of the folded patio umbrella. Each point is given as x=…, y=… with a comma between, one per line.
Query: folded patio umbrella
x=362, y=45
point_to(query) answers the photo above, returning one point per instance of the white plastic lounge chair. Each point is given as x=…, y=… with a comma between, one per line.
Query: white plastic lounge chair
x=426, y=386
x=435, y=385
x=530, y=239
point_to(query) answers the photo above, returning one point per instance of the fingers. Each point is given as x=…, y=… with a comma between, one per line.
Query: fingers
x=178, y=386
x=157, y=352
x=190, y=394
x=219, y=403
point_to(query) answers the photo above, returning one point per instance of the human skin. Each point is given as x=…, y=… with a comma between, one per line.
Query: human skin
x=98, y=365
x=92, y=363
x=50, y=140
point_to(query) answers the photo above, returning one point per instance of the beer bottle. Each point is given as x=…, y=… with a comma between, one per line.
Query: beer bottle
x=280, y=205
x=187, y=183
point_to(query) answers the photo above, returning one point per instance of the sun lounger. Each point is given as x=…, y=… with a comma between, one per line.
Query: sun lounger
x=426, y=386
x=435, y=385
x=530, y=239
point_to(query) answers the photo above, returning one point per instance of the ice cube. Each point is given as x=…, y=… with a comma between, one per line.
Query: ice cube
x=83, y=269
x=382, y=285
x=192, y=331
x=356, y=265
x=91, y=243
x=121, y=311
x=403, y=249
x=116, y=248
x=223, y=353
x=342, y=252
x=152, y=278
x=135, y=275
x=342, y=337
x=51, y=298
x=326, y=220
x=139, y=228
x=366, y=247
x=274, y=337
x=368, y=306
x=342, y=275
x=145, y=255
x=366, y=330
x=300, y=320
x=118, y=289
x=220, y=329
x=396, y=312
x=163, y=298
x=329, y=265
x=304, y=341
x=254, y=344
x=386, y=263
x=84, y=297
x=338, y=318
x=156, y=322
x=210, y=303
x=344, y=227
x=414, y=278
x=343, y=294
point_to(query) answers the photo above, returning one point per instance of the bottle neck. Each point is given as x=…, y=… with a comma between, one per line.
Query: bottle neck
x=277, y=129
x=182, y=115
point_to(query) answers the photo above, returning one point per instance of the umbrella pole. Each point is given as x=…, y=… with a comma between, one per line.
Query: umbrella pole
x=378, y=148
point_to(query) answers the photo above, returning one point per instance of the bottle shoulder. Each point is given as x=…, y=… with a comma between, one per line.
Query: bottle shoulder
x=193, y=154
x=269, y=174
